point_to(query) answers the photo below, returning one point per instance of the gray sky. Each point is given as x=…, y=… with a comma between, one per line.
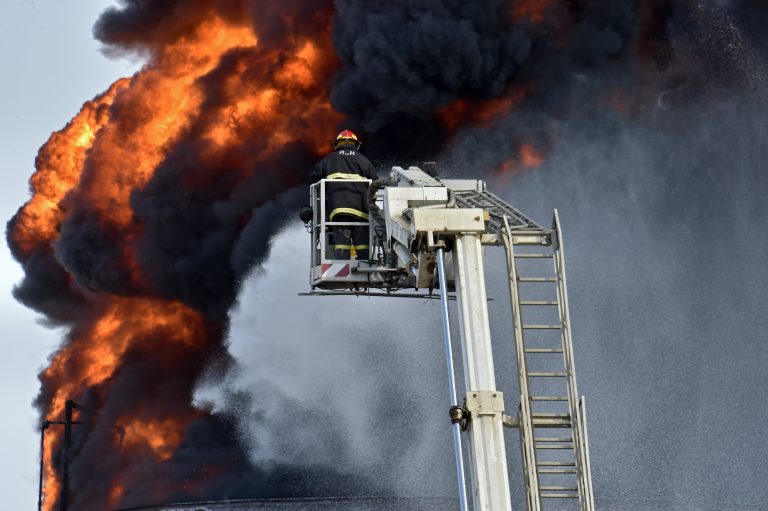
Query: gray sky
x=51, y=65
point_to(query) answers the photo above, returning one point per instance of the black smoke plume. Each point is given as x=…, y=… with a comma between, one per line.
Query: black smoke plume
x=199, y=223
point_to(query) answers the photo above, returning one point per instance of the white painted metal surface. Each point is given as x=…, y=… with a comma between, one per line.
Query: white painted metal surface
x=445, y=220
x=488, y=460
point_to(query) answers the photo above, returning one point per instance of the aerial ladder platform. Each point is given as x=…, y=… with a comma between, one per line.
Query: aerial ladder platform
x=427, y=234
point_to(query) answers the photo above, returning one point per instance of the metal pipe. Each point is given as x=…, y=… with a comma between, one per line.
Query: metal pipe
x=405, y=256
x=451, y=379
x=68, y=407
x=44, y=426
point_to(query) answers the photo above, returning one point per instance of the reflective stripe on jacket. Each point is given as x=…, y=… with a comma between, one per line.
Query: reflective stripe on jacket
x=346, y=195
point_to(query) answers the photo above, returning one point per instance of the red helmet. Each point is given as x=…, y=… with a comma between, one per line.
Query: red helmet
x=346, y=136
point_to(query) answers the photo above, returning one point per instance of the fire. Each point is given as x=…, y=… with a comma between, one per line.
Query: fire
x=528, y=157
x=52, y=484
x=59, y=167
x=238, y=102
x=160, y=437
x=115, y=494
x=272, y=108
x=465, y=112
x=218, y=112
x=152, y=203
x=163, y=100
x=533, y=10
x=92, y=357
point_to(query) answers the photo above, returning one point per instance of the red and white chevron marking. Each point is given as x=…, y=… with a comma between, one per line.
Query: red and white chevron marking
x=335, y=270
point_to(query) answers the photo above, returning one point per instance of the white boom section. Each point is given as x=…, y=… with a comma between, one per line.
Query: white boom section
x=488, y=460
x=418, y=211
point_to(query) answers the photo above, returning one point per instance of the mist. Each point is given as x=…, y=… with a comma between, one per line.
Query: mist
x=665, y=241
x=354, y=383
x=664, y=223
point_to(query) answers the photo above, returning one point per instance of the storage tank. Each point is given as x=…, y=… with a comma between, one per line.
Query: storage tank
x=312, y=504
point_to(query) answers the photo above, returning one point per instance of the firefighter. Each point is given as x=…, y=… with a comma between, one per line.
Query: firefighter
x=346, y=198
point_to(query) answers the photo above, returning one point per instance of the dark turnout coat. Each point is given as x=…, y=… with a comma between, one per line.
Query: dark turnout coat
x=347, y=194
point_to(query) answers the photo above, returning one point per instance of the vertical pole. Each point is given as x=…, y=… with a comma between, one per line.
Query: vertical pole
x=451, y=379
x=490, y=484
x=323, y=227
x=313, y=237
x=65, y=455
x=44, y=426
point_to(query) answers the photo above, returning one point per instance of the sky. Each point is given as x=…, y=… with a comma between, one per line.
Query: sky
x=51, y=65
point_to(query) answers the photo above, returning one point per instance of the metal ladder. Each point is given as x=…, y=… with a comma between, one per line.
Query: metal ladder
x=555, y=465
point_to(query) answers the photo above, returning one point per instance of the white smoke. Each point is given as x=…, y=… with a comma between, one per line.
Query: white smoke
x=354, y=383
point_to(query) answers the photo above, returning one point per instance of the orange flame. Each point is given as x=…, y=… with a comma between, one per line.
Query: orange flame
x=533, y=10
x=163, y=100
x=464, y=112
x=59, y=166
x=160, y=437
x=528, y=157
x=112, y=148
x=268, y=99
x=93, y=356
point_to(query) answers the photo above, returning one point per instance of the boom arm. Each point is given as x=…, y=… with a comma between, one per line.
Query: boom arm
x=418, y=217
x=421, y=216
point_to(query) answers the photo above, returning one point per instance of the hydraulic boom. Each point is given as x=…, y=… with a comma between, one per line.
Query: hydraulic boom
x=427, y=233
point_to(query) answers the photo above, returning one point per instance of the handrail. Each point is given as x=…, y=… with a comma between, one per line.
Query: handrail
x=320, y=224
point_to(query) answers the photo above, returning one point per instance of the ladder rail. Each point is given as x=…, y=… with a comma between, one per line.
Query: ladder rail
x=577, y=422
x=587, y=466
x=529, y=456
x=529, y=453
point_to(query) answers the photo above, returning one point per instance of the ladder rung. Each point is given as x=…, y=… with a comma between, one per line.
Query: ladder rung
x=547, y=375
x=549, y=398
x=559, y=495
x=536, y=279
x=538, y=302
x=544, y=350
x=553, y=439
x=541, y=327
x=556, y=464
x=558, y=471
x=558, y=488
x=533, y=256
x=544, y=422
x=547, y=415
x=553, y=446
